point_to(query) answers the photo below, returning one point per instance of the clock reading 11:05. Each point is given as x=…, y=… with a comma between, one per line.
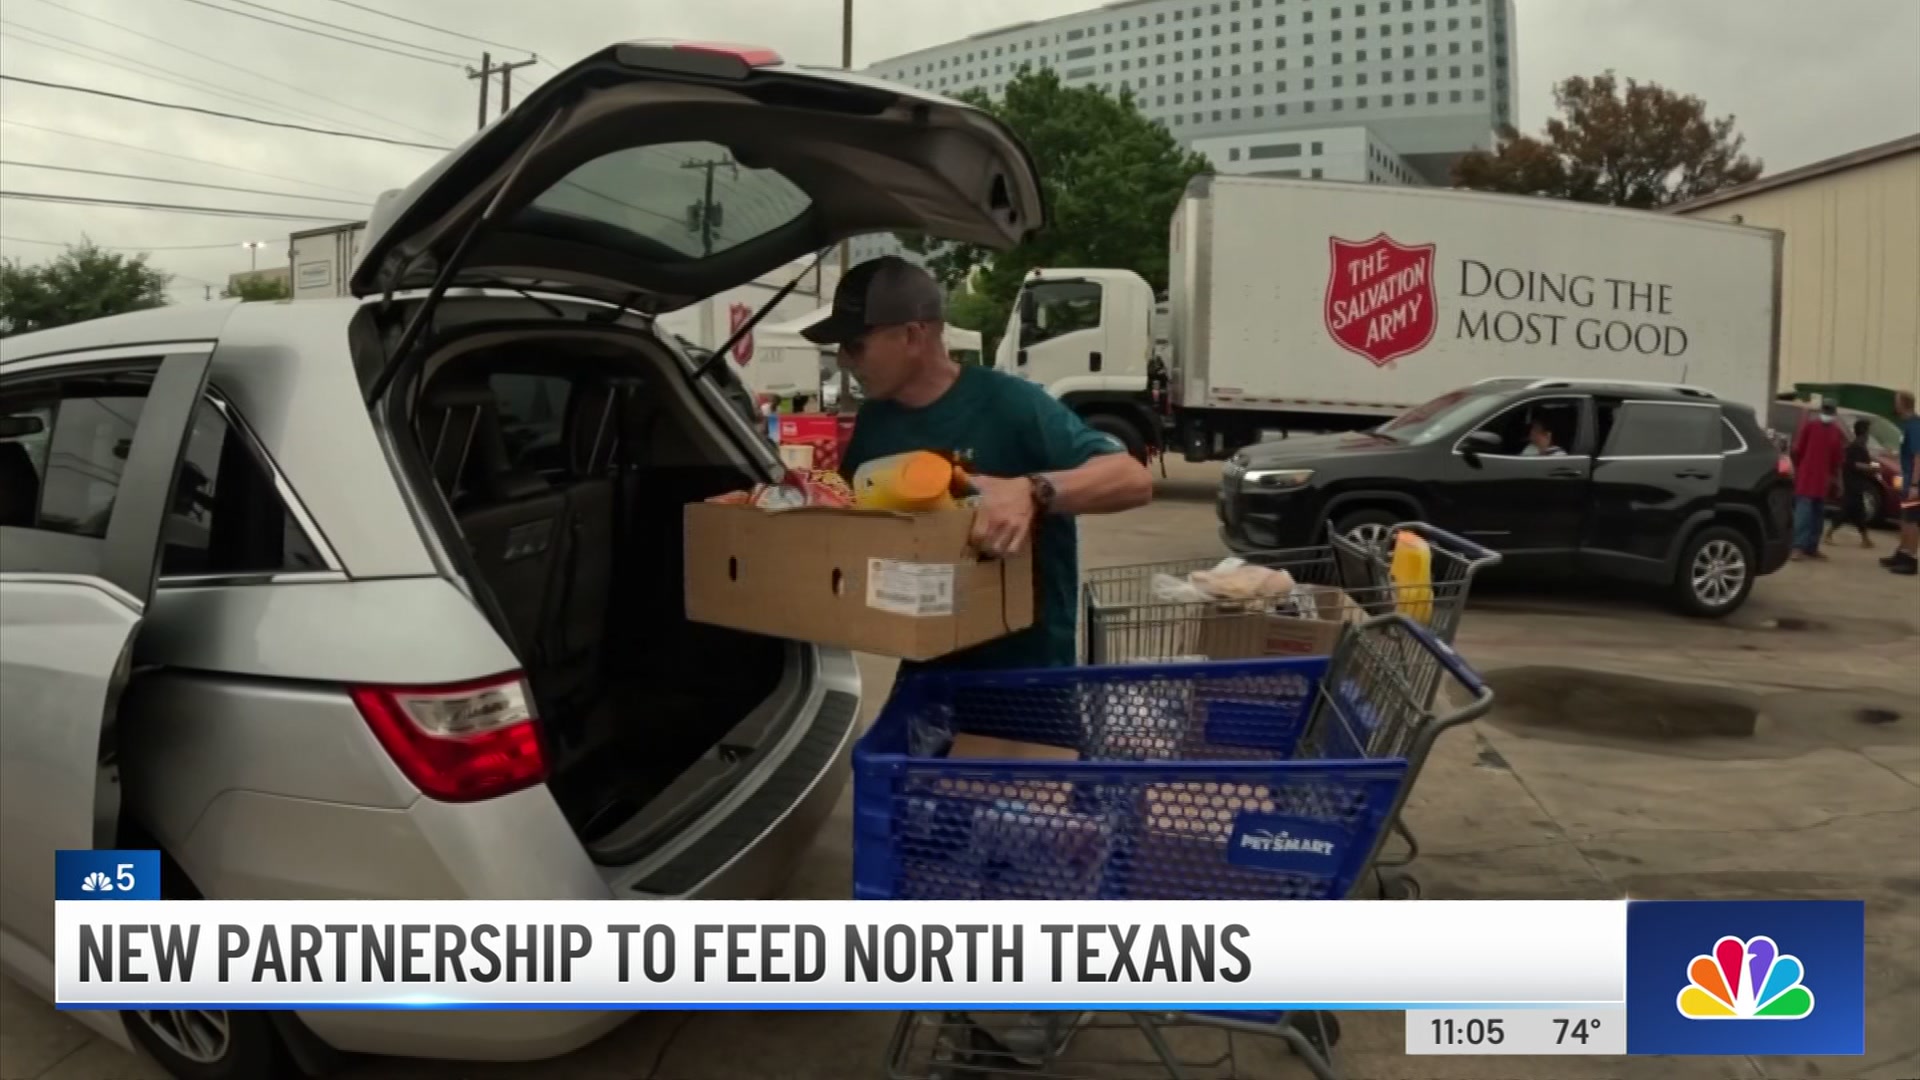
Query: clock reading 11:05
x=1476, y=1031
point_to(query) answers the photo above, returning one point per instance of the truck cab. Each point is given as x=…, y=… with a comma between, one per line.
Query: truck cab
x=1088, y=336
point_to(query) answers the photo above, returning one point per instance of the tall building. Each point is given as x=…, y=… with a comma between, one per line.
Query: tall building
x=1377, y=91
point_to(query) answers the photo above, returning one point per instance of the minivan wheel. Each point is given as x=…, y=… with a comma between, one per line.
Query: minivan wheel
x=1715, y=574
x=208, y=1044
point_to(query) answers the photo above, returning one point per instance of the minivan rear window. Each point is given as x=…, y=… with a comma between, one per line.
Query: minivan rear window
x=689, y=199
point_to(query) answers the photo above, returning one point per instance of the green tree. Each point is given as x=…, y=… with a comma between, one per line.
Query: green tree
x=970, y=310
x=1111, y=178
x=83, y=282
x=1633, y=144
x=258, y=289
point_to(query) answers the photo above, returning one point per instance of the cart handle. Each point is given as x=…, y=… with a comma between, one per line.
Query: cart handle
x=1433, y=534
x=1452, y=661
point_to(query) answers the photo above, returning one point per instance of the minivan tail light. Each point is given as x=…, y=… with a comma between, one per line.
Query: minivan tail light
x=462, y=742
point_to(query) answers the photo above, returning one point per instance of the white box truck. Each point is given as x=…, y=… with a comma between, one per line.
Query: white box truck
x=323, y=259
x=773, y=358
x=1320, y=306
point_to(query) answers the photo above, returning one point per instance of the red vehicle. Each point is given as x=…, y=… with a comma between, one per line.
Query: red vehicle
x=1883, y=442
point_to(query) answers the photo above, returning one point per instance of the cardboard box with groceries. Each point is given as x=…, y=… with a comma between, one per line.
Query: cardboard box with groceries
x=902, y=585
x=1324, y=611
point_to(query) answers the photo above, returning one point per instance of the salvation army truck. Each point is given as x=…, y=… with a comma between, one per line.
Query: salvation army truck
x=1320, y=306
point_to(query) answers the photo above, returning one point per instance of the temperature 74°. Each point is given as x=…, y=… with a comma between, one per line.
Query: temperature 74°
x=1577, y=1030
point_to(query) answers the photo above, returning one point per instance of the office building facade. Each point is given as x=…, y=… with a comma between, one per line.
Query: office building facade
x=1374, y=91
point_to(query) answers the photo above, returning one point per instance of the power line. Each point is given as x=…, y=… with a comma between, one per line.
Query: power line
x=222, y=115
x=177, y=183
x=182, y=157
x=303, y=90
x=214, y=211
x=330, y=37
x=437, y=29
x=165, y=76
x=348, y=29
x=124, y=247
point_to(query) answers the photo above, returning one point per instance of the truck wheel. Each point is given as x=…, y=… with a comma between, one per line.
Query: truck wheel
x=1123, y=430
x=1715, y=573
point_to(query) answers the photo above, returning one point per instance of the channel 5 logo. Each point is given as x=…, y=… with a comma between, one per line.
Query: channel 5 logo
x=106, y=875
x=1746, y=974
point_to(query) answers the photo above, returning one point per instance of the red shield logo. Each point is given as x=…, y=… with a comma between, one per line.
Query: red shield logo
x=1380, y=297
x=737, y=316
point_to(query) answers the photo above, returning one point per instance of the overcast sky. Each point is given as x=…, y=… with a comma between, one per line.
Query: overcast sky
x=1808, y=79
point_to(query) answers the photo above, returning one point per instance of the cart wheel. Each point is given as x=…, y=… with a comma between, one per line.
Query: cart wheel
x=1396, y=886
x=1322, y=1030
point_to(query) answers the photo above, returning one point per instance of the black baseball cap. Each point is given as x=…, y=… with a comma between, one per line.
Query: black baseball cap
x=886, y=291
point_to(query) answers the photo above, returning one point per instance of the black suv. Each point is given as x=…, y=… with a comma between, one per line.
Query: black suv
x=1658, y=484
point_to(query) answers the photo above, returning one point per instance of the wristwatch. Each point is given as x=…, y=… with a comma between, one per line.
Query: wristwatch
x=1043, y=492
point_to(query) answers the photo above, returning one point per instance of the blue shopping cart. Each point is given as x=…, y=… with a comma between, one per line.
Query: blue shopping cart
x=1173, y=768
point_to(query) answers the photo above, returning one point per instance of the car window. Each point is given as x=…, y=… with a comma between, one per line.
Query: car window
x=1447, y=413
x=1661, y=429
x=533, y=416
x=673, y=200
x=1731, y=441
x=1558, y=417
x=62, y=472
x=1059, y=308
x=227, y=516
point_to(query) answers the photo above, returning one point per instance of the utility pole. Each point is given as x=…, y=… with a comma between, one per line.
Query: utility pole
x=704, y=215
x=846, y=61
x=485, y=74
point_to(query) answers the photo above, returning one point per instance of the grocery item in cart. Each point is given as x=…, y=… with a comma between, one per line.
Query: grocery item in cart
x=795, y=488
x=1412, y=570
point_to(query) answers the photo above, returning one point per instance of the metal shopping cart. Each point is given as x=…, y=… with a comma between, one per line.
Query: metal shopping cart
x=1124, y=623
x=1171, y=759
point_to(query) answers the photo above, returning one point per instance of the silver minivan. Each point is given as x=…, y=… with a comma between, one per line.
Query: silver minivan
x=381, y=596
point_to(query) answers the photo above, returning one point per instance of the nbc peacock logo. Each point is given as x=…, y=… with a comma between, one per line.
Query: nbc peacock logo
x=1745, y=980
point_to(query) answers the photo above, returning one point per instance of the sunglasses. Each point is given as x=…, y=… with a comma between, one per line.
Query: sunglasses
x=853, y=347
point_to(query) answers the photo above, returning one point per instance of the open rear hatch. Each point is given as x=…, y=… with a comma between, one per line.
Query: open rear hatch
x=652, y=175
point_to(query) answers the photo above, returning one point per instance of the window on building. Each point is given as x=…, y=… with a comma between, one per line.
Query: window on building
x=1386, y=76
x=1476, y=22
x=1453, y=48
x=1453, y=24
x=1433, y=73
x=1410, y=99
x=1479, y=70
x=1454, y=96
x=1317, y=174
x=1479, y=46
x=1259, y=111
x=1307, y=106
x=1233, y=153
x=1336, y=35
x=1479, y=95
x=1274, y=150
x=1454, y=71
x=1433, y=97
x=1280, y=109
x=1309, y=82
x=1338, y=80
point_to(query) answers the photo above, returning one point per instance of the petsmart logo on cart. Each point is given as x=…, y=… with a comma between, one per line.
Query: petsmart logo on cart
x=1747, y=975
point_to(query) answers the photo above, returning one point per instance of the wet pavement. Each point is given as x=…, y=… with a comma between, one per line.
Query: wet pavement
x=1631, y=752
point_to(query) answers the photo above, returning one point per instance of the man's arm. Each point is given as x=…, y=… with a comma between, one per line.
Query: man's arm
x=1107, y=484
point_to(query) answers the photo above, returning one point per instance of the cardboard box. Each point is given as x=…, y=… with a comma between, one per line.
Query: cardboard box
x=903, y=585
x=1037, y=794
x=1243, y=637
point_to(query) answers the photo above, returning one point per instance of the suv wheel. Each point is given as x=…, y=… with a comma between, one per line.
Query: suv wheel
x=1371, y=529
x=1715, y=573
x=1123, y=431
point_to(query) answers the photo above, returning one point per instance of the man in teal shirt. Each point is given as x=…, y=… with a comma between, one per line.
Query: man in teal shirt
x=1036, y=464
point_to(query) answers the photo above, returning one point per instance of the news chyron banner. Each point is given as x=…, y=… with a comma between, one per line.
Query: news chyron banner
x=1473, y=977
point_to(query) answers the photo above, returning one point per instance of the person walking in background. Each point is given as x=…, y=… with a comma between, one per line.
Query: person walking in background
x=1857, y=474
x=1819, y=451
x=1906, y=559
